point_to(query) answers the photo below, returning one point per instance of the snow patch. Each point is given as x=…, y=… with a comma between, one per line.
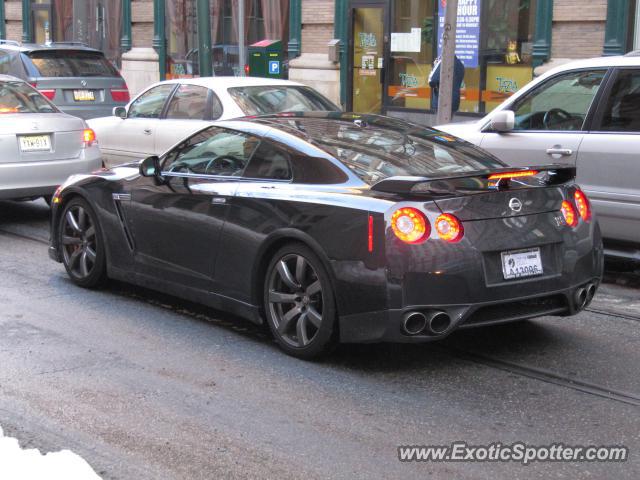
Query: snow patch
x=30, y=464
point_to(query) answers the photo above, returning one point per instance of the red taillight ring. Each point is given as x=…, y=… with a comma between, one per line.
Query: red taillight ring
x=582, y=204
x=410, y=225
x=569, y=213
x=449, y=228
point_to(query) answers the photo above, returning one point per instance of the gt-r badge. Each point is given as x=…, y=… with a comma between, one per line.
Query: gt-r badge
x=515, y=205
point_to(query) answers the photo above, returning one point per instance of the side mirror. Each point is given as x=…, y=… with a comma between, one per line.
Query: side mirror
x=503, y=121
x=120, y=112
x=150, y=166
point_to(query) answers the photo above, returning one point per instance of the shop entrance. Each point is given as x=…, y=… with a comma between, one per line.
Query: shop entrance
x=368, y=40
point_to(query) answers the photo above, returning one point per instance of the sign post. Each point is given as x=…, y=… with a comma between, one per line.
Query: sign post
x=445, y=95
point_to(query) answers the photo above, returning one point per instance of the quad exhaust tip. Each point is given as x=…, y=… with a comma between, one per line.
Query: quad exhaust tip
x=584, y=295
x=436, y=323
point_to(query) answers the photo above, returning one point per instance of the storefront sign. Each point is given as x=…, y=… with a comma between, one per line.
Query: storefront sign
x=368, y=65
x=408, y=80
x=368, y=40
x=406, y=42
x=467, y=30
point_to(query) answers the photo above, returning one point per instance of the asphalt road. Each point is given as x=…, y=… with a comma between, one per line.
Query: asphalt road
x=146, y=386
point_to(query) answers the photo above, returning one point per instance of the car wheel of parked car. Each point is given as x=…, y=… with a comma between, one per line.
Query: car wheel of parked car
x=299, y=302
x=80, y=240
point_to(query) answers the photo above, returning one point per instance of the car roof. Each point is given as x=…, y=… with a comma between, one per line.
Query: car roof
x=32, y=47
x=226, y=82
x=629, y=60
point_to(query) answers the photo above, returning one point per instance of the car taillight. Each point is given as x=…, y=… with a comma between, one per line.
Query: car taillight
x=120, y=95
x=517, y=174
x=370, y=234
x=410, y=225
x=50, y=94
x=584, y=208
x=569, y=213
x=89, y=137
x=449, y=228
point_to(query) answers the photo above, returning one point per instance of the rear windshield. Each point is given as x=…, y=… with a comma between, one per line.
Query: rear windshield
x=264, y=100
x=18, y=97
x=72, y=63
x=375, y=152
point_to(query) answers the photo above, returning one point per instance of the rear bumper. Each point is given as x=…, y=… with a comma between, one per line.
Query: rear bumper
x=387, y=326
x=34, y=179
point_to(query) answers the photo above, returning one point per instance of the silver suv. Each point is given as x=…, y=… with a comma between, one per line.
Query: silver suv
x=585, y=113
x=77, y=79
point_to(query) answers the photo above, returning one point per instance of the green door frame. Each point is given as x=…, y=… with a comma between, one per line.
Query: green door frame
x=616, y=28
x=542, y=33
x=3, y=24
x=341, y=32
x=125, y=39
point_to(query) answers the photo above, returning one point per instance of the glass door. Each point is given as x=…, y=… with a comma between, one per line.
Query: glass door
x=367, y=49
x=41, y=14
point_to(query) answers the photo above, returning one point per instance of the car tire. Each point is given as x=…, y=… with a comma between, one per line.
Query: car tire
x=299, y=302
x=81, y=244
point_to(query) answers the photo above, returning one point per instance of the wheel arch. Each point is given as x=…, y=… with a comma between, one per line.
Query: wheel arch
x=270, y=246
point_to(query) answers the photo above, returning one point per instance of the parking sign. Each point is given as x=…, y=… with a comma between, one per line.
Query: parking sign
x=274, y=67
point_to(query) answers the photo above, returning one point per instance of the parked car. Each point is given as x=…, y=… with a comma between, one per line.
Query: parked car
x=333, y=226
x=167, y=112
x=585, y=114
x=79, y=80
x=40, y=146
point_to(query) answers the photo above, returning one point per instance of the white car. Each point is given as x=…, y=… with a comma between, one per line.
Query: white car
x=585, y=113
x=168, y=112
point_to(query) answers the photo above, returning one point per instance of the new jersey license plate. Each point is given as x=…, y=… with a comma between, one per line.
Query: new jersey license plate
x=521, y=263
x=35, y=143
x=84, y=95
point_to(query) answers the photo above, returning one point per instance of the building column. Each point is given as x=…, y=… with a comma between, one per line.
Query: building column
x=542, y=34
x=3, y=23
x=159, y=38
x=27, y=34
x=204, y=38
x=295, y=28
x=125, y=39
x=616, y=27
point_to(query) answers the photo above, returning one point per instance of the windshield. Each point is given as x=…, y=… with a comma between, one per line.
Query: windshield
x=267, y=99
x=18, y=97
x=72, y=63
x=391, y=148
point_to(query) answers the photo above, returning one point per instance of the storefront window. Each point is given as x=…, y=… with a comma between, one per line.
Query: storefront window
x=264, y=19
x=97, y=23
x=413, y=31
x=494, y=42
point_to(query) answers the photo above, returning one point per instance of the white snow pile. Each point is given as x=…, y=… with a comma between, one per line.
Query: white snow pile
x=30, y=464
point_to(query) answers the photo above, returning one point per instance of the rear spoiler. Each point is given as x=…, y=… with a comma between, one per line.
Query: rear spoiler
x=497, y=178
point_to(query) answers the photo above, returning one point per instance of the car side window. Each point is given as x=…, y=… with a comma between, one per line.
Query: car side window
x=151, y=102
x=214, y=151
x=561, y=103
x=622, y=109
x=269, y=162
x=189, y=103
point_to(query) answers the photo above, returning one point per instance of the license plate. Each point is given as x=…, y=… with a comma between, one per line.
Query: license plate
x=521, y=263
x=35, y=143
x=84, y=95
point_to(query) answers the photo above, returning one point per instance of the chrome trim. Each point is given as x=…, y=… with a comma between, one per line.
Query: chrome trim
x=121, y=196
x=227, y=178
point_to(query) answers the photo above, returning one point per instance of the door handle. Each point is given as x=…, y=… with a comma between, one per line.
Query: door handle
x=218, y=201
x=147, y=131
x=565, y=152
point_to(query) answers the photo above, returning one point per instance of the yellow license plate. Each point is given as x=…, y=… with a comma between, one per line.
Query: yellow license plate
x=84, y=95
x=35, y=143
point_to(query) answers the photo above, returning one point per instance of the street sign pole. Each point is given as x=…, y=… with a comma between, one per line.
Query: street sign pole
x=242, y=54
x=445, y=95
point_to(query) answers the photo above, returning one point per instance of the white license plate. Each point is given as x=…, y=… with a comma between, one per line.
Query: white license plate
x=35, y=143
x=84, y=95
x=521, y=263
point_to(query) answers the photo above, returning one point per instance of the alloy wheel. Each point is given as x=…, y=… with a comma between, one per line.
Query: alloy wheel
x=79, y=242
x=295, y=300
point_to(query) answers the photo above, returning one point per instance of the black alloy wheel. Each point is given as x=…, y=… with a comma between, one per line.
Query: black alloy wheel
x=80, y=242
x=299, y=302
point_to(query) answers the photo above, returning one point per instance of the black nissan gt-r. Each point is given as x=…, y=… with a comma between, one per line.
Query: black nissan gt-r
x=336, y=227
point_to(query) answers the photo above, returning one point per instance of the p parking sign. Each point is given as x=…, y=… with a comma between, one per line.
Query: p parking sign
x=274, y=67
